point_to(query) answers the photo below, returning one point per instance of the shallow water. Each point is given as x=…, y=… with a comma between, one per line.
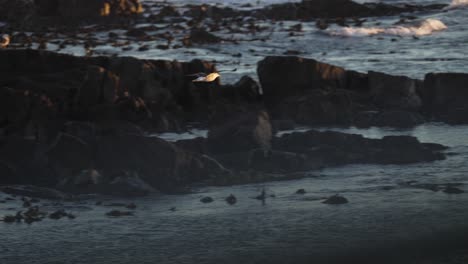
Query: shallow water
x=290, y=228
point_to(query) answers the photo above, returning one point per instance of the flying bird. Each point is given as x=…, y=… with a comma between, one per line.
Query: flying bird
x=5, y=41
x=204, y=77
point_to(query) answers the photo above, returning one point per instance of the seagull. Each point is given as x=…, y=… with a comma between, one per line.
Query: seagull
x=211, y=77
x=206, y=77
x=5, y=41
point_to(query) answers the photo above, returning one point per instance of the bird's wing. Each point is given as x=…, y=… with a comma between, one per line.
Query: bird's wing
x=200, y=79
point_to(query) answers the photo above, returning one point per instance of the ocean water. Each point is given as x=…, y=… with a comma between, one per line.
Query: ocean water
x=384, y=212
x=434, y=42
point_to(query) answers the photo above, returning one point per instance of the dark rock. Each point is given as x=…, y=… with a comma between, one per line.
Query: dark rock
x=126, y=185
x=231, y=199
x=285, y=76
x=445, y=97
x=245, y=132
x=245, y=90
x=335, y=148
x=336, y=199
x=397, y=118
x=58, y=214
x=9, y=219
x=117, y=213
x=26, y=204
x=318, y=107
x=301, y=191
x=364, y=119
x=198, y=145
x=168, y=11
x=159, y=163
x=394, y=92
x=40, y=13
x=131, y=206
x=201, y=36
x=206, y=199
x=283, y=124
x=453, y=190
x=70, y=153
x=277, y=161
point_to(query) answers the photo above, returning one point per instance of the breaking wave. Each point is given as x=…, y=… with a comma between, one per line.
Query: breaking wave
x=421, y=28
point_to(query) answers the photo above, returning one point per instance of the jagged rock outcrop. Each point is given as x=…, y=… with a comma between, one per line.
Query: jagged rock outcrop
x=445, y=96
x=315, y=93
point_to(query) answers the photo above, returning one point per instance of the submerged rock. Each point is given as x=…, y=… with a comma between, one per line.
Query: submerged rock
x=301, y=191
x=453, y=190
x=336, y=199
x=117, y=213
x=231, y=199
x=201, y=36
x=206, y=199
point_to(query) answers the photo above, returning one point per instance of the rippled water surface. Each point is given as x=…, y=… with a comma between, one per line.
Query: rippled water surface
x=397, y=49
x=383, y=212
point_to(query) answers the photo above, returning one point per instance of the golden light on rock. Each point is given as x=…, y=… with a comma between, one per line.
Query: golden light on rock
x=106, y=9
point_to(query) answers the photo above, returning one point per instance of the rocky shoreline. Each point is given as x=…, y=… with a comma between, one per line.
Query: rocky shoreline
x=81, y=124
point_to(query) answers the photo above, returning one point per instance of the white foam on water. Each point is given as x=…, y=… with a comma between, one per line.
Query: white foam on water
x=455, y=4
x=425, y=27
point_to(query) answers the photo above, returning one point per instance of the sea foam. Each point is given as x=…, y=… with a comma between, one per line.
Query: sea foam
x=421, y=28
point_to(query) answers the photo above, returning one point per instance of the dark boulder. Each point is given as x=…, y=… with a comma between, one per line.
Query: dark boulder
x=231, y=199
x=70, y=154
x=394, y=92
x=318, y=107
x=201, y=36
x=285, y=76
x=26, y=160
x=157, y=162
x=206, y=199
x=283, y=124
x=336, y=199
x=245, y=132
x=397, y=118
x=335, y=148
x=245, y=90
x=117, y=213
x=445, y=96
